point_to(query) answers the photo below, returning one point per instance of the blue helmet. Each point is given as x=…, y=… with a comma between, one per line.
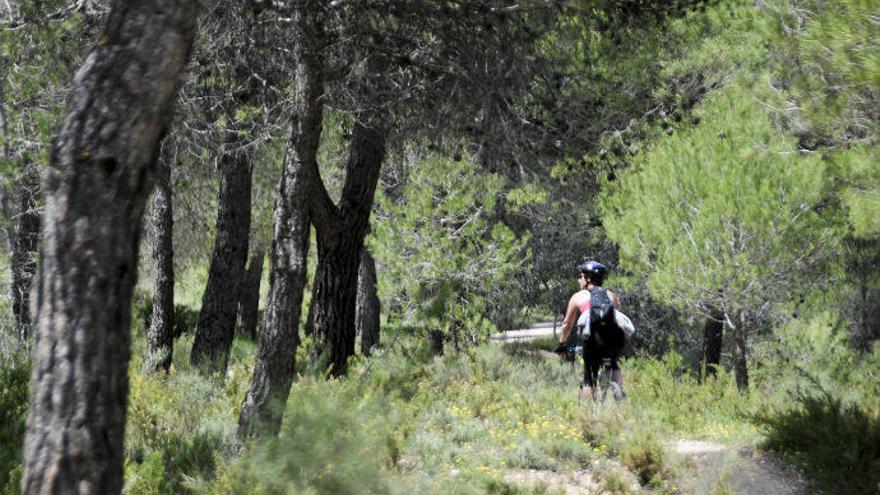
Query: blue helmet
x=597, y=271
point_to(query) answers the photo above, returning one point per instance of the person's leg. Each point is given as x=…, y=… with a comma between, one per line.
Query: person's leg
x=617, y=340
x=592, y=361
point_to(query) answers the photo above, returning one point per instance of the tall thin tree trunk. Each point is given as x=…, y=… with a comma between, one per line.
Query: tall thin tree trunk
x=249, y=294
x=263, y=406
x=99, y=178
x=367, y=308
x=24, y=248
x=160, y=336
x=740, y=353
x=23, y=231
x=216, y=325
x=713, y=333
x=341, y=233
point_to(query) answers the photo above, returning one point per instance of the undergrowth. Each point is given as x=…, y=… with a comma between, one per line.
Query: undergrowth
x=404, y=421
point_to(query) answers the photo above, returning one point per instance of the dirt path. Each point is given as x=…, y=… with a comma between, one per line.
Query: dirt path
x=718, y=468
x=704, y=468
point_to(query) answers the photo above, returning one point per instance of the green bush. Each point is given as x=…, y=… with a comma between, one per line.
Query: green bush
x=821, y=406
x=13, y=411
x=838, y=443
x=332, y=441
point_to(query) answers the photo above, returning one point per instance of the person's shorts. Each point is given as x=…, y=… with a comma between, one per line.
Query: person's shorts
x=603, y=343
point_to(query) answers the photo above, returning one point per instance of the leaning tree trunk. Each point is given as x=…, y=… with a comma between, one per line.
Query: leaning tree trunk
x=24, y=246
x=341, y=231
x=713, y=333
x=263, y=406
x=216, y=324
x=249, y=294
x=99, y=178
x=160, y=336
x=367, y=308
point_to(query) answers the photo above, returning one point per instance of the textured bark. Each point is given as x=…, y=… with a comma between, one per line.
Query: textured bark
x=23, y=231
x=341, y=231
x=160, y=336
x=367, y=308
x=740, y=354
x=99, y=178
x=263, y=406
x=249, y=294
x=26, y=221
x=217, y=317
x=713, y=332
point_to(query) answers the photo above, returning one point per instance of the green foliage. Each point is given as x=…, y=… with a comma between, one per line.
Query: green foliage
x=181, y=425
x=822, y=403
x=446, y=262
x=734, y=198
x=332, y=442
x=838, y=443
x=814, y=354
x=14, y=375
x=830, y=57
x=858, y=167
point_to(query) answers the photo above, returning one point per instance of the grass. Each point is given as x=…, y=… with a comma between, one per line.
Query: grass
x=404, y=421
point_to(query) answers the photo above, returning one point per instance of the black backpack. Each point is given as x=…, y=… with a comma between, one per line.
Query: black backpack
x=601, y=316
x=601, y=309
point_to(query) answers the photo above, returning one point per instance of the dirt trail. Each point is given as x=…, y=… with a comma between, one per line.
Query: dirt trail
x=719, y=468
x=705, y=468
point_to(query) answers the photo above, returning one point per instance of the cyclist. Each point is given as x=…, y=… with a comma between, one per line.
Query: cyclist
x=602, y=343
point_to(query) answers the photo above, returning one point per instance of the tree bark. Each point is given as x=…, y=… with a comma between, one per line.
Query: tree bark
x=23, y=230
x=341, y=232
x=160, y=335
x=713, y=333
x=25, y=243
x=217, y=317
x=99, y=178
x=367, y=308
x=740, y=354
x=249, y=295
x=263, y=407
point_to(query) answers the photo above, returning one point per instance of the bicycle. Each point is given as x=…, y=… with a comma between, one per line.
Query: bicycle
x=604, y=382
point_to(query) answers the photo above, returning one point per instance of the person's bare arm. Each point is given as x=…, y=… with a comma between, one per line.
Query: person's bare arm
x=568, y=322
x=614, y=300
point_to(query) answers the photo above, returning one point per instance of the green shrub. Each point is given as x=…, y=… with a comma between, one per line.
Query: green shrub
x=821, y=405
x=838, y=443
x=644, y=455
x=332, y=441
x=13, y=411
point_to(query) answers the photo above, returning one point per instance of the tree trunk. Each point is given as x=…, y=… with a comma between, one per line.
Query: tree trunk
x=341, y=231
x=23, y=230
x=160, y=336
x=713, y=333
x=99, y=178
x=263, y=406
x=437, y=337
x=249, y=295
x=740, y=354
x=217, y=317
x=367, y=308
x=26, y=223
